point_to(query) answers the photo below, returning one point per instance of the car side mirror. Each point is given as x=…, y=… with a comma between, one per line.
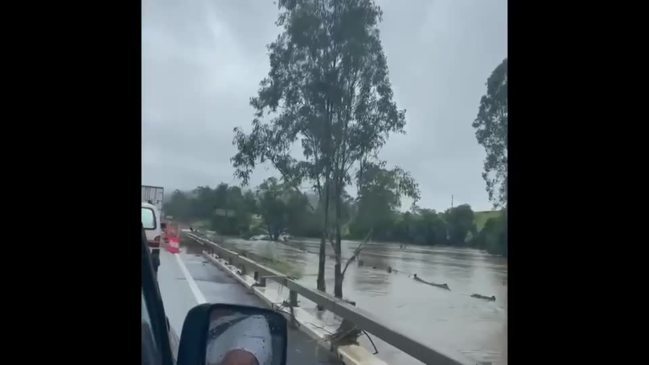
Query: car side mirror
x=163, y=226
x=225, y=334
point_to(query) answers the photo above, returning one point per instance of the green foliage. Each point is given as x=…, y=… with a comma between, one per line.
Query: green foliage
x=179, y=206
x=431, y=227
x=250, y=202
x=493, y=237
x=491, y=132
x=421, y=227
x=460, y=222
x=285, y=210
x=224, y=209
x=231, y=215
x=272, y=207
x=482, y=217
x=374, y=210
x=380, y=192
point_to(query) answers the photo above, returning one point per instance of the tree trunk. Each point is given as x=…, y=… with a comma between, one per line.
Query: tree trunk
x=321, y=265
x=338, y=280
x=327, y=189
x=338, y=276
x=323, y=241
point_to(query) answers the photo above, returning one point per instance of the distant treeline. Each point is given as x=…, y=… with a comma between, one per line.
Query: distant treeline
x=273, y=209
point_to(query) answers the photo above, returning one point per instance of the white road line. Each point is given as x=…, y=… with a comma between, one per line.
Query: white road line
x=200, y=298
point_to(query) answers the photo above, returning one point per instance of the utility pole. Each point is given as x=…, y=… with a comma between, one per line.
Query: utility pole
x=451, y=200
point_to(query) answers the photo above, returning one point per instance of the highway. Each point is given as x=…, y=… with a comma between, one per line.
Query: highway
x=187, y=279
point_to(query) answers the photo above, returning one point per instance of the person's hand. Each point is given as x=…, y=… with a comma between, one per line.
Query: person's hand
x=239, y=357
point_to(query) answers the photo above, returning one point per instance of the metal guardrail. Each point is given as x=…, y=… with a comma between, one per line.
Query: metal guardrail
x=359, y=317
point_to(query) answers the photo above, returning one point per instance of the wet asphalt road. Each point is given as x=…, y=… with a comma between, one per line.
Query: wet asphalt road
x=214, y=286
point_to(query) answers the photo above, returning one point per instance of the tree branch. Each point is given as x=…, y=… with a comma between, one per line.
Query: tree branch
x=358, y=250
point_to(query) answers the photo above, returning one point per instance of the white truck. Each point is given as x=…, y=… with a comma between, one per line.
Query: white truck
x=153, y=195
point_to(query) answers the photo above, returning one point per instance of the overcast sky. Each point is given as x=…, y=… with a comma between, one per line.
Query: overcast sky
x=202, y=60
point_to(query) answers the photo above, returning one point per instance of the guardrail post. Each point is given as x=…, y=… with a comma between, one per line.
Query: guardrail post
x=292, y=298
x=261, y=281
x=292, y=302
x=243, y=269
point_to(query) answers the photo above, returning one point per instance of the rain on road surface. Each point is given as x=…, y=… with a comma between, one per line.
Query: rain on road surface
x=207, y=283
x=452, y=321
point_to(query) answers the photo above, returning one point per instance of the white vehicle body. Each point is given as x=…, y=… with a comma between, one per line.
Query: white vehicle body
x=153, y=195
x=151, y=223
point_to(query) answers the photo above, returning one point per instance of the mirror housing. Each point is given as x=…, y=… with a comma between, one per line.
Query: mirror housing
x=213, y=333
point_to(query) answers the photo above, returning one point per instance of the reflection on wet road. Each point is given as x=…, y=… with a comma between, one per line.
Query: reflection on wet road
x=473, y=328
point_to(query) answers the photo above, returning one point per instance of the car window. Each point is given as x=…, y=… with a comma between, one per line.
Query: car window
x=150, y=351
x=148, y=218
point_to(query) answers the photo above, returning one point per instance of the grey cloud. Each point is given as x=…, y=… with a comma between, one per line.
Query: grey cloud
x=203, y=60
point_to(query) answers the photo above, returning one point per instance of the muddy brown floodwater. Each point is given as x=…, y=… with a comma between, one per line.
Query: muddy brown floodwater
x=470, y=329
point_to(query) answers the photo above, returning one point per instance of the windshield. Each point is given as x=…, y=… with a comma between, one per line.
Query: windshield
x=357, y=146
x=148, y=218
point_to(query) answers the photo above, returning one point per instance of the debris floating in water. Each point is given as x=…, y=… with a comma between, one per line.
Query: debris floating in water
x=479, y=296
x=443, y=286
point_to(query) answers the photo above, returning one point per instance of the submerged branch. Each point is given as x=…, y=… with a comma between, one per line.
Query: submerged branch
x=358, y=250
